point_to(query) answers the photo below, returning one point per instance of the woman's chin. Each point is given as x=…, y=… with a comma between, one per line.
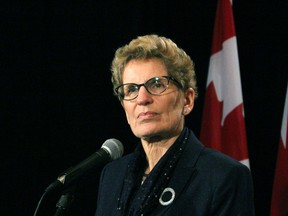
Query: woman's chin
x=146, y=132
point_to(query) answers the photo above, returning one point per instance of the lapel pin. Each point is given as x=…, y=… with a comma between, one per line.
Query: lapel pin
x=167, y=196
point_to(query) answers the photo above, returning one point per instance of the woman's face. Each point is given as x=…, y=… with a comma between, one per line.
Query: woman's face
x=155, y=116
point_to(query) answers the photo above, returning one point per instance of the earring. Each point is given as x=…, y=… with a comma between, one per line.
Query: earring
x=184, y=111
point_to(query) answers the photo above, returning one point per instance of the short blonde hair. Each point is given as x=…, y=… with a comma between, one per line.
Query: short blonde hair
x=177, y=62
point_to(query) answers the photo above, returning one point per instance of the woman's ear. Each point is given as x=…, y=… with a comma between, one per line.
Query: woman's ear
x=189, y=97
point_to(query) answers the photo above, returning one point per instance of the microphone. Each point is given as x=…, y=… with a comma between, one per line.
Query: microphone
x=111, y=149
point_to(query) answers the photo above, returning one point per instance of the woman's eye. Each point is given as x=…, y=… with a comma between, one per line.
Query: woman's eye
x=157, y=85
x=131, y=89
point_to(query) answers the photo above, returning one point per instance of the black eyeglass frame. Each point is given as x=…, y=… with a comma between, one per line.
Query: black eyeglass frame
x=169, y=78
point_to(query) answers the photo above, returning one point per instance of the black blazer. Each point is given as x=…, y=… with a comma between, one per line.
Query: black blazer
x=205, y=182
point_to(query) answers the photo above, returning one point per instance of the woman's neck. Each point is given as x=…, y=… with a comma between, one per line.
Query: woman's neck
x=155, y=150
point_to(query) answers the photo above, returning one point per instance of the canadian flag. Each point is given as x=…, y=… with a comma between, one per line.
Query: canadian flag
x=223, y=125
x=279, y=206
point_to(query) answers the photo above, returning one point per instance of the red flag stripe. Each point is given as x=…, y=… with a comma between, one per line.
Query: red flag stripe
x=224, y=25
x=279, y=202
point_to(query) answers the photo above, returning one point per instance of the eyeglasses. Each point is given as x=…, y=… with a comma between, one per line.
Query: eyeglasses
x=155, y=86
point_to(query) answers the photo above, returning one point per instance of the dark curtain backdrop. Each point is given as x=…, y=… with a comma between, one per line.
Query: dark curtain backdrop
x=57, y=106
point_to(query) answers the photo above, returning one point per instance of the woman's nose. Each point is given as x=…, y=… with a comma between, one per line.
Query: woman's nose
x=144, y=97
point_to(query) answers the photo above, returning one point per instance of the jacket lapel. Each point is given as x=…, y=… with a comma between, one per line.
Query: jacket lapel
x=184, y=172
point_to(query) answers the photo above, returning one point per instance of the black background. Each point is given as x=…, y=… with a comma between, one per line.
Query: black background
x=57, y=106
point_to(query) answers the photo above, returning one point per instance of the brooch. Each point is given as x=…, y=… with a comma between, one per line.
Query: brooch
x=167, y=196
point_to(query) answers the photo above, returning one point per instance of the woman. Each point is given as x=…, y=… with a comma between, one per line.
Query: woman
x=170, y=172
